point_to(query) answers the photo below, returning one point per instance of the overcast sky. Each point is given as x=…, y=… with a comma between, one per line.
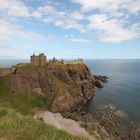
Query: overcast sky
x=70, y=28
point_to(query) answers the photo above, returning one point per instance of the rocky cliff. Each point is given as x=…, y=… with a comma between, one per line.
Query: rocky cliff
x=69, y=85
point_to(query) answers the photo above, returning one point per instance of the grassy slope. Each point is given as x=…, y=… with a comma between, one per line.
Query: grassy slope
x=14, y=126
x=16, y=122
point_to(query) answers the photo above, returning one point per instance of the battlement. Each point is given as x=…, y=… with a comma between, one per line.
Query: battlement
x=38, y=60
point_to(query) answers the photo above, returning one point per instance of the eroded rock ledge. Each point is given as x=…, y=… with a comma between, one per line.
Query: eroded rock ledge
x=107, y=121
x=69, y=85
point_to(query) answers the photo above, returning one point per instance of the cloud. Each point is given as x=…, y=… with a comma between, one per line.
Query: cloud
x=106, y=20
x=73, y=38
x=10, y=31
x=111, y=30
x=64, y=19
x=43, y=11
x=14, y=51
x=132, y=6
x=111, y=21
x=16, y=8
x=80, y=40
x=11, y=25
x=77, y=15
x=119, y=34
x=4, y=52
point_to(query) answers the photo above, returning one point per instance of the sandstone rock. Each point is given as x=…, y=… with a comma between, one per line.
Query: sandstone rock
x=120, y=113
x=70, y=85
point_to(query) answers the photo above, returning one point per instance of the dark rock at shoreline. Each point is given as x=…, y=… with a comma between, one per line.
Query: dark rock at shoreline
x=98, y=84
x=110, y=123
x=103, y=79
x=100, y=80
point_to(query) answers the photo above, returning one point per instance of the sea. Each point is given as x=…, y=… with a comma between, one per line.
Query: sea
x=122, y=90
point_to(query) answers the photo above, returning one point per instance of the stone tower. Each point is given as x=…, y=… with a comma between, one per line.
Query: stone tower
x=38, y=60
x=42, y=59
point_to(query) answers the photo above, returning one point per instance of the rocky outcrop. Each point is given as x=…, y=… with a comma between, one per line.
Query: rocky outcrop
x=69, y=85
x=109, y=122
x=100, y=80
x=56, y=120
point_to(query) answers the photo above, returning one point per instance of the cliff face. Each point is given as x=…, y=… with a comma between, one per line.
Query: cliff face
x=68, y=85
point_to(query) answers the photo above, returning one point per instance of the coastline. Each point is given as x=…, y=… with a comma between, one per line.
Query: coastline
x=106, y=122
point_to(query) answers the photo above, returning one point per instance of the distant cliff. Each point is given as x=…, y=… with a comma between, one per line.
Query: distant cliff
x=68, y=85
x=5, y=71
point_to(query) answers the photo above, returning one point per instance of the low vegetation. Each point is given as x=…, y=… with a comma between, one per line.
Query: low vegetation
x=22, y=103
x=16, y=120
x=14, y=126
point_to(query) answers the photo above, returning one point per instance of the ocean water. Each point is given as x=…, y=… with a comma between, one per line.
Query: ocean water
x=10, y=62
x=122, y=90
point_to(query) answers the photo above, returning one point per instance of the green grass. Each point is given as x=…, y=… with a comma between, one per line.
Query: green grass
x=14, y=126
x=3, y=112
x=23, y=103
x=17, y=123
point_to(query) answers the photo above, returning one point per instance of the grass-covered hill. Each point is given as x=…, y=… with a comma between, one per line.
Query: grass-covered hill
x=16, y=122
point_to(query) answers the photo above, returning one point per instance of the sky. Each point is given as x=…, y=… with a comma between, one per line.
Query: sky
x=97, y=29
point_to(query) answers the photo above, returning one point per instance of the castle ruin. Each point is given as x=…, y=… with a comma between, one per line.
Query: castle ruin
x=78, y=61
x=38, y=60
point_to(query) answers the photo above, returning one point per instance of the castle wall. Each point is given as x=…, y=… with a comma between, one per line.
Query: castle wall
x=39, y=60
x=74, y=62
x=42, y=60
x=35, y=60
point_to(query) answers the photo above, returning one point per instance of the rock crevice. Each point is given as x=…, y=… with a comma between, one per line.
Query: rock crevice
x=70, y=85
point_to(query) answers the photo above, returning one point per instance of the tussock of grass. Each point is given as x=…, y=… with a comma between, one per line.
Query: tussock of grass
x=14, y=126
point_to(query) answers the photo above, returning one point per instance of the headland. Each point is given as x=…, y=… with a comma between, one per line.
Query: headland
x=63, y=87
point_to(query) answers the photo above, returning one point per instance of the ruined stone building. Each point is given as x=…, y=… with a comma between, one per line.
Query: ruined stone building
x=38, y=60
